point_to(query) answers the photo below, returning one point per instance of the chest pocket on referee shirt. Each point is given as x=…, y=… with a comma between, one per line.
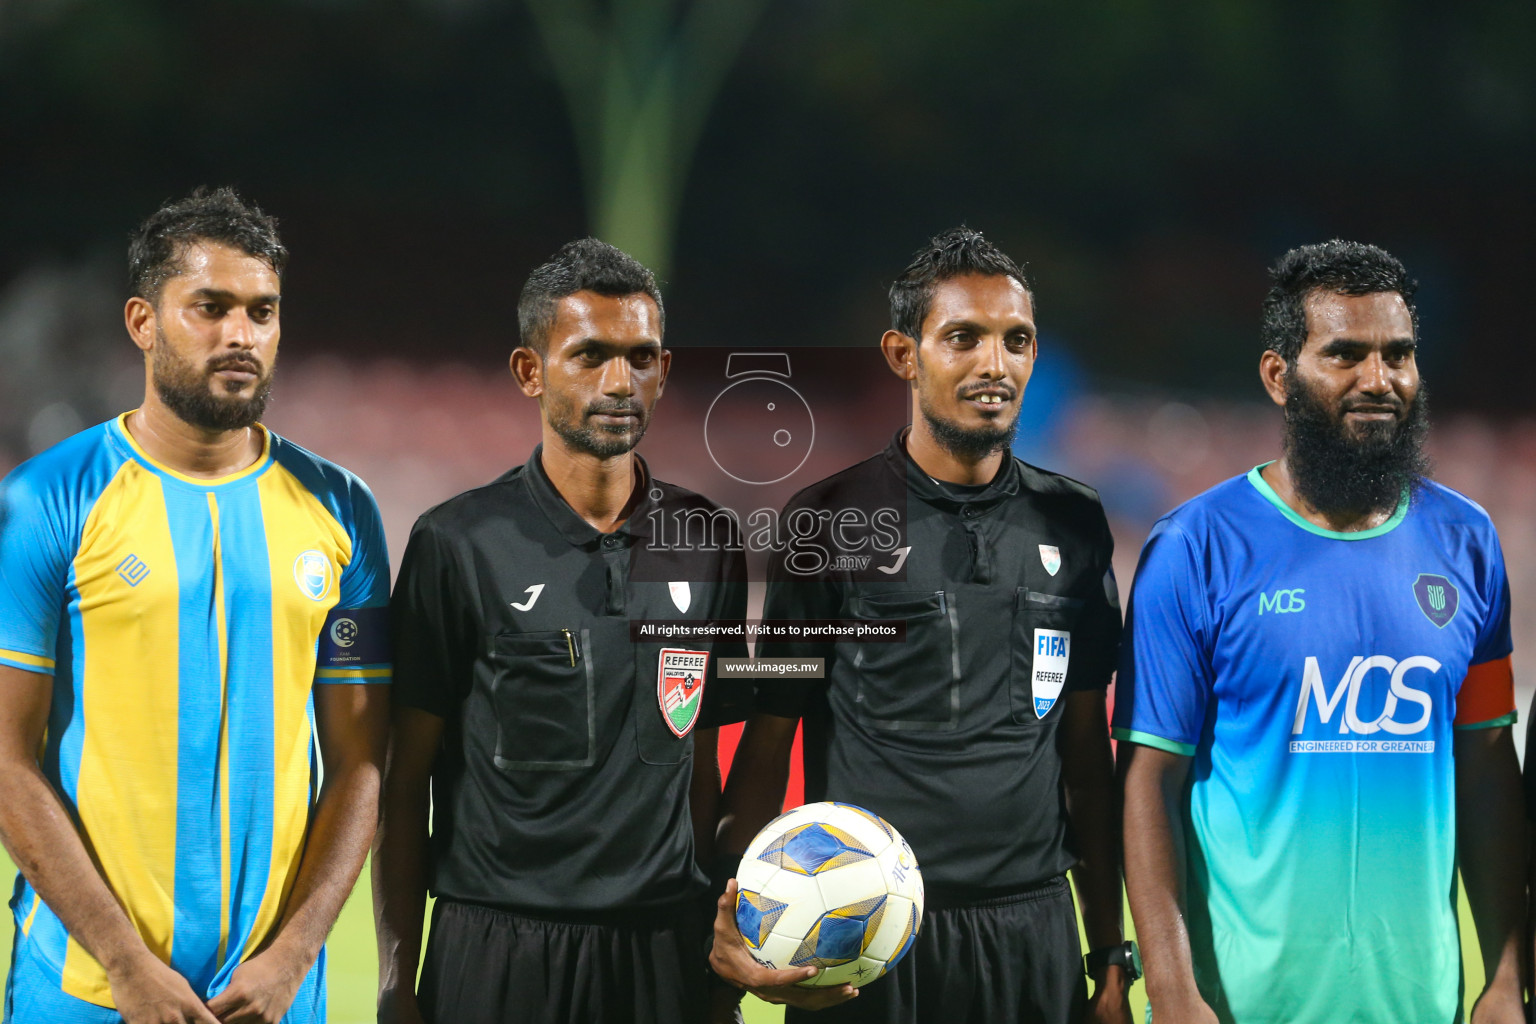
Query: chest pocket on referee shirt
x=912, y=685
x=541, y=689
x=1042, y=652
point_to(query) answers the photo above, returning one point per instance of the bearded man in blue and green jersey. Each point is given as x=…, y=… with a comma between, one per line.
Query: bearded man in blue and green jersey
x=1315, y=702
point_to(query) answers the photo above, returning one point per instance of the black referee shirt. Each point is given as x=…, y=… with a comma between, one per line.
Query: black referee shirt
x=562, y=783
x=1007, y=593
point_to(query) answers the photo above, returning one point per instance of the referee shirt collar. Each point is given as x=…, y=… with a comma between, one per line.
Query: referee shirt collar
x=571, y=526
x=1003, y=486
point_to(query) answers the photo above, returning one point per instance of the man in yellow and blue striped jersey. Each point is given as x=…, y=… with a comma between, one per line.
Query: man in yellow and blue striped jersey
x=178, y=582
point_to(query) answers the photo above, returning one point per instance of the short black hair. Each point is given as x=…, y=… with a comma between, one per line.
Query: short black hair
x=207, y=215
x=585, y=265
x=1345, y=268
x=948, y=254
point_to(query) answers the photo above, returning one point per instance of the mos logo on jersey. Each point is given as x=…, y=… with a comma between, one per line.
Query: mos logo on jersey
x=1283, y=602
x=312, y=572
x=1405, y=711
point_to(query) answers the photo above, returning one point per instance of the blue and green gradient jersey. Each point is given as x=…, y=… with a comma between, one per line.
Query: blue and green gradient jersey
x=184, y=622
x=1315, y=678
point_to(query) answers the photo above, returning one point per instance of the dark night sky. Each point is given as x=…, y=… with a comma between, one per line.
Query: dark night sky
x=1146, y=160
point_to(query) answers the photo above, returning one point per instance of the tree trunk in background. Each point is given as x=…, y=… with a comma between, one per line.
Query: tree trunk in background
x=639, y=77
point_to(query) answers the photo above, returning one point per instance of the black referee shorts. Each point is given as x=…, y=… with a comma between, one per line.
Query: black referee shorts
x=1011, y=960
x=486, y=966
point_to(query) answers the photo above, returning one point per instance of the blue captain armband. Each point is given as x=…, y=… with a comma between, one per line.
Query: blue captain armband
x=354, y=646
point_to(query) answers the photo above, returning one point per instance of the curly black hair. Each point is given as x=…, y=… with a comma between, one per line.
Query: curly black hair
x=948, y=254
x=207, y=215
x=1347, y=268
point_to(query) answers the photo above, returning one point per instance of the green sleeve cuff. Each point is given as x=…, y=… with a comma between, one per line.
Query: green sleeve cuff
x=1492, y=723
x=1146, y=739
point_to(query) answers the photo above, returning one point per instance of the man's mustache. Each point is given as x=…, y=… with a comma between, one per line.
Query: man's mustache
x=1391, y=404
x=235, y=361
x=1009, y=390
x=616, y=408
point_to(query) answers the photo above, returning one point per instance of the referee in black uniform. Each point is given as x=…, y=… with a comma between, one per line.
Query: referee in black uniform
x=573, y=778
x=982, y=736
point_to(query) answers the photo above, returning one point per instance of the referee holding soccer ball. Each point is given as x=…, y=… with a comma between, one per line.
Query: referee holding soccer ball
x=981, y=736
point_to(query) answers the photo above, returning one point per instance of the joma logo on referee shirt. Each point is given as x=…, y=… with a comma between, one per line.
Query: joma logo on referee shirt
x=1347, y=693
x=1282, y=601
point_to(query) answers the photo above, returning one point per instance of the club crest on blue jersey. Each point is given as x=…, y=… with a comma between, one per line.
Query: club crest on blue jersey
x=1437, y=597
x=312, y=572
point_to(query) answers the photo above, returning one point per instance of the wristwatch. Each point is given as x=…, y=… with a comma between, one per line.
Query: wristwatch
x=1125, y=955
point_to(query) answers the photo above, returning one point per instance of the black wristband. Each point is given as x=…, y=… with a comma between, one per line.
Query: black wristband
x=1125, y=955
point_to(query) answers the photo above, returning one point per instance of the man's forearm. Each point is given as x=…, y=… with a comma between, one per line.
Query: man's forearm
x=400, y=882
x=1492, y=848
x=40, y=836
x=339, y=837
x=1154, y=871
x=1097, y=874
x=704, y=795
x=754, y=793
x=1093, y=808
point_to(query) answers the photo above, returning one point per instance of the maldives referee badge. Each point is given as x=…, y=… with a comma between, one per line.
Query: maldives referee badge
x=680, y=688
x=1053, y=649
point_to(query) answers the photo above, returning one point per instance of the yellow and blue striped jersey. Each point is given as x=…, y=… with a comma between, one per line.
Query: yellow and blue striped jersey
x=184, y=622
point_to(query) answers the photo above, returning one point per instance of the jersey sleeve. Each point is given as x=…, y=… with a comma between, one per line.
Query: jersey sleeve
x=1165, y=676
x=1096, y=649
x=728, y=699
x=354, y=644
x=34, y=563
x=1486, y=698
x=1493, y=635
x=434, y=651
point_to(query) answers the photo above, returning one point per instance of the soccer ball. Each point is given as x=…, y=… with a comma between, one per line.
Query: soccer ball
x=833, y=886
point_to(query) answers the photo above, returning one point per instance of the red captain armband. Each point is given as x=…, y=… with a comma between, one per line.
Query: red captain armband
x=1487, y=696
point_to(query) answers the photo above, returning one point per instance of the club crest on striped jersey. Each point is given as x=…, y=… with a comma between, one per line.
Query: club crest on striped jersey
x=1050, y=557
x=312, y=572
x=680, y=688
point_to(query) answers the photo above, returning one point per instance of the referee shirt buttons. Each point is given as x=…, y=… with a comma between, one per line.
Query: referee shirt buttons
x=969, y=512
x=613, y=541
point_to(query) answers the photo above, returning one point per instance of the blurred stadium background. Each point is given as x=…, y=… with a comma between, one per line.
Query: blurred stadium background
x=777, y=160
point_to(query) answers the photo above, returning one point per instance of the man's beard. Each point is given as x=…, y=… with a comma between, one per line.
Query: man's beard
x=600, y=440
x=1353, y=472
x=189, y=391
x=968, y=443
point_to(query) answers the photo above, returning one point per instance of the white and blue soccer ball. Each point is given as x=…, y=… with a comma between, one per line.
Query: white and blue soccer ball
x=833, y=886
